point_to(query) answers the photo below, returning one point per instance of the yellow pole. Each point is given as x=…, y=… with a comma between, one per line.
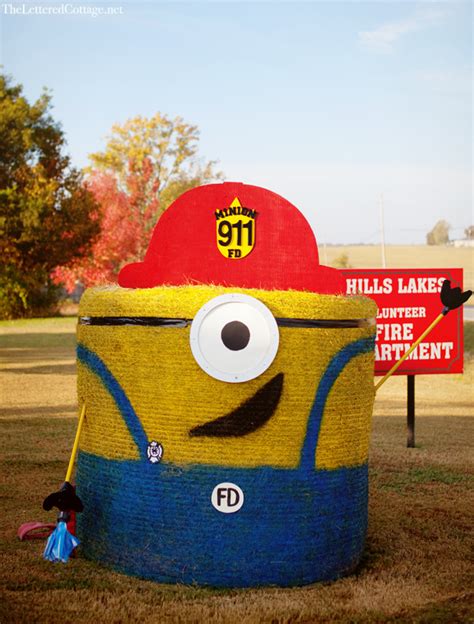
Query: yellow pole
x=76, y=444
x=412, y=348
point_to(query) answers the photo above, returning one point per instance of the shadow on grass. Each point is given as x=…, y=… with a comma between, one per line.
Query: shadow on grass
x=47, y=369
x=38, y=339
x=12, y=413
x=400, y=481
x=396, y=404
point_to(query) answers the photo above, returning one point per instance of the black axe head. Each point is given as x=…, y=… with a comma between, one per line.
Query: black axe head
x=453, y=298
x=64, y=499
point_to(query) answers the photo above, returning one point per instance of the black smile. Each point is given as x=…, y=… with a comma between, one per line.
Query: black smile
x=249, y=416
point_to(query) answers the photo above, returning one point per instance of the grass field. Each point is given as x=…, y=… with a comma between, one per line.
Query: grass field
x=404, y=256
x=416, y=565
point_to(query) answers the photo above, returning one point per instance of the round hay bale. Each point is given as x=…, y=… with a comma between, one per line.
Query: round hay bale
x=186, y=478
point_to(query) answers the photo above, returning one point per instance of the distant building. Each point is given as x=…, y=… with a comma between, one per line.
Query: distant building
x=463, y=242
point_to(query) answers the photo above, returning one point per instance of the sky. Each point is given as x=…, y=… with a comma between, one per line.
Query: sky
x=344, y=108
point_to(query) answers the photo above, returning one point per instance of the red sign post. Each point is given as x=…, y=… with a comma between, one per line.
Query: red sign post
x=408, y=301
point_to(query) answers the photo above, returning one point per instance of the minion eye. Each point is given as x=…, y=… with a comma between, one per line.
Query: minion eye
x=234, y=338
x=235, y=335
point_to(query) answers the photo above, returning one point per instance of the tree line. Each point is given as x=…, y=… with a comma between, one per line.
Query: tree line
x=439, y=234
x=59, y=226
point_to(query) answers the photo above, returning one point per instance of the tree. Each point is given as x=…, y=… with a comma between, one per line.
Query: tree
x=147, y=163
x=47, y=217
x=341, y=262
x=469, y=232
x=439, y=235
x=121, y=236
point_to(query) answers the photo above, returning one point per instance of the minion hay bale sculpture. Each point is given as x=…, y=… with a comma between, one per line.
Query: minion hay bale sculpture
x=229, y=392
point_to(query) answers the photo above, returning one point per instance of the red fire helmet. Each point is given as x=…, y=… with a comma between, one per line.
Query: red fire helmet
x=237, y=235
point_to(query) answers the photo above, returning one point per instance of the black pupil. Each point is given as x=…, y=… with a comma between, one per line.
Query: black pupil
x=235, y=335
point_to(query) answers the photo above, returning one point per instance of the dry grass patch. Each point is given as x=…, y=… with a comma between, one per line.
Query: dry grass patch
x=416, y=564
x=405, y=257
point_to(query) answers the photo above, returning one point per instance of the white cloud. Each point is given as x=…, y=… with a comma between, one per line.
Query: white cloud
x=384, y=38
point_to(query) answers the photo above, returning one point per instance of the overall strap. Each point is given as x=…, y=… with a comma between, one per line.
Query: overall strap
x=332, y=372
x=97, y=366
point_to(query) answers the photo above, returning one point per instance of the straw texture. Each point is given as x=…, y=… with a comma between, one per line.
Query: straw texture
x=303, y=472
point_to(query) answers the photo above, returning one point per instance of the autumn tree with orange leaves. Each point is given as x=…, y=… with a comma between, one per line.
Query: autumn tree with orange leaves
x=147, y=163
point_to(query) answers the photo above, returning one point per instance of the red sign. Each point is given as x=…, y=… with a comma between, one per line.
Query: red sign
x=408, y=301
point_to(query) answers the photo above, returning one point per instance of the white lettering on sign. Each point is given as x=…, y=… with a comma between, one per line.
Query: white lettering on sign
x=227, y=498
x=424, y=351
x=369, y=286
x=420, y=285
x=398, y=313
x=386, y=285
x=395, y=331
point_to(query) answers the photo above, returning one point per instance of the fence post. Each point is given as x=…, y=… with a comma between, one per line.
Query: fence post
x=410, y=411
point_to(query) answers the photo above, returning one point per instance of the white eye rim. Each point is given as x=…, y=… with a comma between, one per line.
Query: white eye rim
x=251, y=372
